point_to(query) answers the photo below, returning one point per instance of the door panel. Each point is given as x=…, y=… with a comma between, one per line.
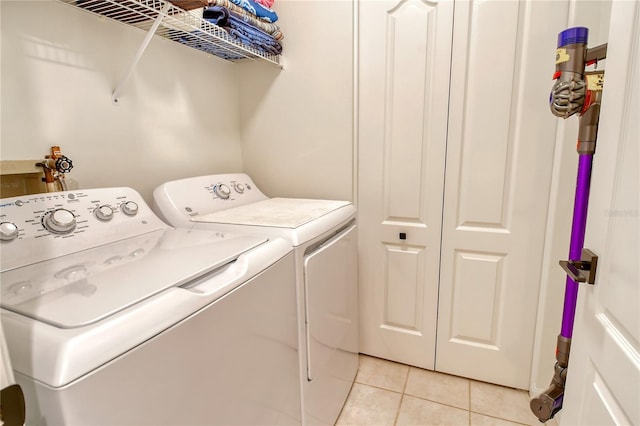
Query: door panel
x=499, y=159
x=486, y=157
x=404, y=273
x=409, y=39
x=606, y=338
x=405, y=52
x=477, y=299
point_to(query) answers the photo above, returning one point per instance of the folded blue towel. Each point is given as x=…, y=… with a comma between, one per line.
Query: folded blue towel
x=217, y=15
x=242, y=31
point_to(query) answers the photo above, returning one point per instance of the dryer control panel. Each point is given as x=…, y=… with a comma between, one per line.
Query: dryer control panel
x=179, y=200
x=38, y=227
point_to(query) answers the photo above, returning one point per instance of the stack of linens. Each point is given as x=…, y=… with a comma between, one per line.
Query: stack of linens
x=249, y=22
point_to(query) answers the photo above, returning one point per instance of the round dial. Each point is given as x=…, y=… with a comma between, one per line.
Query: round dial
x=59, y=221
x=238, y=187
x=222, y=191
x=104, y=213
x=130, y=208
x=8, y=231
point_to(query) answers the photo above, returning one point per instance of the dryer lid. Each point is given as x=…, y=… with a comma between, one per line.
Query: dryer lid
x=274, y=212
x=81, y=288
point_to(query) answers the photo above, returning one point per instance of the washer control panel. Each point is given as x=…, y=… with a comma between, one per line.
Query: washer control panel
x=38, y=227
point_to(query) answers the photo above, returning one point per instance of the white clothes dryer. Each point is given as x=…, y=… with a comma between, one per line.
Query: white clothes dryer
x=323, y=234
x=111, y=317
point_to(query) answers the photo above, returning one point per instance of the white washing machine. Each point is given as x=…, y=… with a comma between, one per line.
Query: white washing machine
x=113, y=318
x=323, y=233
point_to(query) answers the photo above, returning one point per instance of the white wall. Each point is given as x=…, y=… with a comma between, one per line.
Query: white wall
x=178, y=115
x=297, y=123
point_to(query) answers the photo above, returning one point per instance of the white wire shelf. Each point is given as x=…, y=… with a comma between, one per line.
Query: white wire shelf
x=175, y=24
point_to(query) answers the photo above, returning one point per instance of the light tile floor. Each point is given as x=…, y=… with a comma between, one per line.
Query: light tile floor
x=389, y=393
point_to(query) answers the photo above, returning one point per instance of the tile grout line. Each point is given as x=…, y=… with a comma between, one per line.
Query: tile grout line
x=376, y=386
x=395, y=421
x=469, y=405
x=402, y=393
x=404, y=388
x=406, y=380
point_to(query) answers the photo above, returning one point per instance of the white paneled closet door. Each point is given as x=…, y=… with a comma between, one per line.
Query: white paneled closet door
x=405, y=54
x=467, y=89
x=500, y=151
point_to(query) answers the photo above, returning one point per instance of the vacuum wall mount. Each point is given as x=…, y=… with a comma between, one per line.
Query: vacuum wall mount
x=583, y=270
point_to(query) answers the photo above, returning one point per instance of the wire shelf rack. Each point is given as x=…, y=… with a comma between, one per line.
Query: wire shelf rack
x=174, y=23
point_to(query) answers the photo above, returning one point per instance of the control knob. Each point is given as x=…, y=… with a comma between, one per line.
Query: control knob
x=130, y=208
x=222, y=191
x=8, y=231
x=104, y=213
x=59, y=221
x=238, y=187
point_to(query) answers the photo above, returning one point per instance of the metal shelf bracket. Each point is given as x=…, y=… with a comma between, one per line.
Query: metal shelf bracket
x=140, y=52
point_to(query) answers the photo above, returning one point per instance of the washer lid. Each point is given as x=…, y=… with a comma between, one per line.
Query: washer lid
x=85, y=287
x=274, y=212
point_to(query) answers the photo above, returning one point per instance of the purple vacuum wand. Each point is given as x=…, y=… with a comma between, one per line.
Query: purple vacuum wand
x=574, y=92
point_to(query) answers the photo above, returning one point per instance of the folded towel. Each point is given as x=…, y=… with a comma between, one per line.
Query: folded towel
x=242, y=31
x=266, y=3
x=257, y=9
x=267, y=27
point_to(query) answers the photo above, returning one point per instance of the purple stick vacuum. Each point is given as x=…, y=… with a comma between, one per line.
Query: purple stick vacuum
x=574, y=92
